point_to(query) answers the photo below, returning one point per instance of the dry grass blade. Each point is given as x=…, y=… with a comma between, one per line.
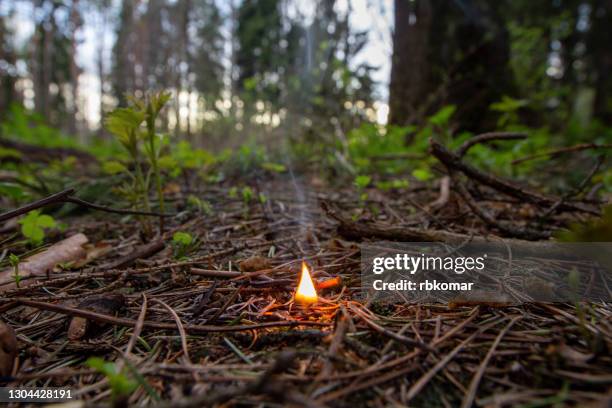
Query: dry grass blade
x=138, y=327
x=180, y=327
x=468, y=400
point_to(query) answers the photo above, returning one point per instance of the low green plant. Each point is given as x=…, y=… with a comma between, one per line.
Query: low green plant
x=233, y=192
x=387, y=185
x=273, y=167
x=197, y=203
x=124, y=124
x=34, y=224
x=14, y=260
x=262, y=198
x=152, y=107
x=183, y=156
x=134, y=127
x=361, y=182
x=182, y=243
x=120, y=384
x=247, y=194
x=12, y=190
x=422, y=174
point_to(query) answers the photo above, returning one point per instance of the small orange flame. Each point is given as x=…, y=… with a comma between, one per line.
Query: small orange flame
x=306, y=292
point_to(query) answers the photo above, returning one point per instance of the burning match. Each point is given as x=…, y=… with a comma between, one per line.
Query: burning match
x=306, y=294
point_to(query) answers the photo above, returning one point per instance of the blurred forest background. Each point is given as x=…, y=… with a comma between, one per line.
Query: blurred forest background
x=356, y=84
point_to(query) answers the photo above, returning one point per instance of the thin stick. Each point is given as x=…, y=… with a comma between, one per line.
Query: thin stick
x=569, y=149
x=99, y=207
x=66, y=197
x=488, y=137
x=52, y=199
x=577, y=190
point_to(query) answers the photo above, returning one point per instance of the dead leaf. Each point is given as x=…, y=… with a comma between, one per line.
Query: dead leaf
x=574, y=356
x=8, y=349
x=107, y=304
x=93, y=252
x=172, y=188
x=335, y=245
x=254, y=264
x=68, y=250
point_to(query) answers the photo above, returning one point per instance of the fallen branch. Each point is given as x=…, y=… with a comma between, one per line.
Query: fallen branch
x=517, y=232
x=67, y=250
x=359, y=231
x=191, y=329
x=143, y=251
x=453, y=162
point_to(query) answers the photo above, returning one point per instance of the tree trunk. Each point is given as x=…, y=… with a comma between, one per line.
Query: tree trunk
x=75, y=23
x=599, y=47
x=409, y=65
x=8, y=77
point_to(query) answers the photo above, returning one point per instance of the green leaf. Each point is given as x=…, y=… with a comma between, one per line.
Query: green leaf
x=123, y=122
x=362, y=181
x=247, y=194
x=233, y=192
x=422, y=174
x=273, y=167
x=442, y=117
x=46, y=221
x=9, y=153
x=12, y=190
x=120, y=384
x=157, y=101
x=182, y=238
x=113, y=167
x=14, y=260
x=34, y=224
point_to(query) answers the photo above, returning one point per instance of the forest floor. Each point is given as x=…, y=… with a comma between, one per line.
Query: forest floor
x=220, y=327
